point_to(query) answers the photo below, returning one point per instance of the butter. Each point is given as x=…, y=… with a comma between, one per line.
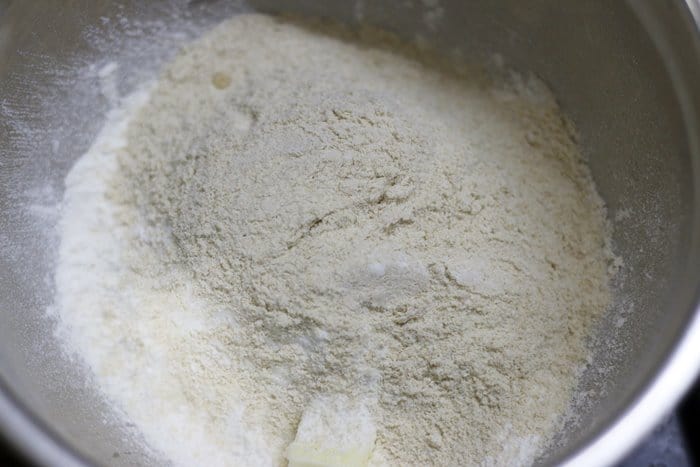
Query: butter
x=334, y=431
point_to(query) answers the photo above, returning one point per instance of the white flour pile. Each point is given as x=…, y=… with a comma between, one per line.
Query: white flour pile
x=301, y=234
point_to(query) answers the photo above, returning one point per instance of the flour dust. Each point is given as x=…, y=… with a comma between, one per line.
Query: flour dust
x=304, y=244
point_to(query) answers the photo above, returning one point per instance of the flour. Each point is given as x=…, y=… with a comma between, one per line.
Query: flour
x=294, y=217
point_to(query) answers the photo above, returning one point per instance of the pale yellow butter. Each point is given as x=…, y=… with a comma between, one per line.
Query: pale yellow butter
x=334, y=431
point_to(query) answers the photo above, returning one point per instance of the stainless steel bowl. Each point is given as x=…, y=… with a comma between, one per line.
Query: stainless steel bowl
x=627, y=73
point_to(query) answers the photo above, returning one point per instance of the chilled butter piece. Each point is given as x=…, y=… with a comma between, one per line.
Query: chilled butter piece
x=334, y=431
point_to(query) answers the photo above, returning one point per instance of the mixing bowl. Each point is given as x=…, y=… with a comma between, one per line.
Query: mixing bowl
x=627, y=74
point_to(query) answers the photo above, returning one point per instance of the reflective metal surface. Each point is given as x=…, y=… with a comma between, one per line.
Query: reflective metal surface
x=627, y=73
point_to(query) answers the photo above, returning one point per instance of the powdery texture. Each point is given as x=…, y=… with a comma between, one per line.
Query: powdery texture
x=298, y=214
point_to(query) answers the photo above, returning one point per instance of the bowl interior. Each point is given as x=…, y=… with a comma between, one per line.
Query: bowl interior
x=597, y=56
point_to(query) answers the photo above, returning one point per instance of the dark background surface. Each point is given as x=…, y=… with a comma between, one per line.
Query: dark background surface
x=675, y=443
x=690, y=419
